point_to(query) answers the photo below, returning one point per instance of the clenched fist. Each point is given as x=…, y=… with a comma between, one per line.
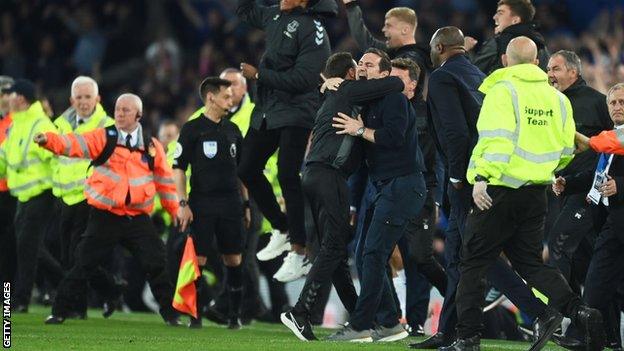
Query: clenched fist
x=249, y=71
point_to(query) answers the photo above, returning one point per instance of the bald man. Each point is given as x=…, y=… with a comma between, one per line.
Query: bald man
x=526, y=133
x=454, y=104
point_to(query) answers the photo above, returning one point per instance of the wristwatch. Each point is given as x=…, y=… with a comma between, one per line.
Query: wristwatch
x=183, y=203
x=246, y=204
x=360, y=131
x=480, y=178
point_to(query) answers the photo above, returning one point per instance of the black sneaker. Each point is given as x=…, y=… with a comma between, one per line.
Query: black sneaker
x=299, y=325
x=417, y=330
x=544, y=327
x=234, y=323
x=52, y=319
x=195, y=323
x=173, y=322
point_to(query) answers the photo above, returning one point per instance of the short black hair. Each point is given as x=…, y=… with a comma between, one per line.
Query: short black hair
x=338, y=65
x=409, y=65
x=384, y=65
x=212, y=85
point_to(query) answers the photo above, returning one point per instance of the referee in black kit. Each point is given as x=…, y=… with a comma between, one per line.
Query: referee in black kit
x=211, y=146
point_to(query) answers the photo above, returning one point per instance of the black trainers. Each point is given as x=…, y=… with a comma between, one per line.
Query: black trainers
x=195, y=323
x=234, y=323
x=590, y=320
x=417, y=330
x=52, y=319
x=173, y=322
x=544, y=327
x=469, y=344
x=299, y=325
x=109, y=307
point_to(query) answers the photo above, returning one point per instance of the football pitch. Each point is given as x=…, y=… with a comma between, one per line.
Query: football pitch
x=141, y=331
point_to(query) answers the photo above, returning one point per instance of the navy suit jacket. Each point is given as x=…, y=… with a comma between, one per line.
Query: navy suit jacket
x=454, y=102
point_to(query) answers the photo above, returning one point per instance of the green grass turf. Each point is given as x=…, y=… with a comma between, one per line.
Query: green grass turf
x=140, y=331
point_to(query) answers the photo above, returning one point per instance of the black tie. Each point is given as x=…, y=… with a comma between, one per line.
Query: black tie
x=80, y=121
x=128, y=141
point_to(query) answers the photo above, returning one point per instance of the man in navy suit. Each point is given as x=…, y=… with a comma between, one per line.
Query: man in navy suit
x=454, y=102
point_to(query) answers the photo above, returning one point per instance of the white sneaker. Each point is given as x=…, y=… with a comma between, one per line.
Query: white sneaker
x=294, y=267
x=277, y=244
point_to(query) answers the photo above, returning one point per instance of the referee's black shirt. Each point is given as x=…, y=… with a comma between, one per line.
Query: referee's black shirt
x=212, y=149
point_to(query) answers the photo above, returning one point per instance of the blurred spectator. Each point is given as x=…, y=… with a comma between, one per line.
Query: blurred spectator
x=164, y=47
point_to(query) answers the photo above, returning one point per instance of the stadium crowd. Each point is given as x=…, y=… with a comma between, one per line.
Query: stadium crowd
x=275, y=157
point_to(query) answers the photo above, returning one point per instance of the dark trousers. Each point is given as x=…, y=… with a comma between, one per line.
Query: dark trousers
x=326, y=190
x=416, y=285
x=513, y=225
x=397, y=200
x=574, y=230
x=73, y=224
x=258, y=146
x=8, y=257
x=421, y=268
x=606, y=274
x=31, y=222
x=104, y=231
x=499, y=274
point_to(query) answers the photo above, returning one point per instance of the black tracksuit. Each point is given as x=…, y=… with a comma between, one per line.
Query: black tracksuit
x=286, y=102
x=578, y=223
x=332, y=158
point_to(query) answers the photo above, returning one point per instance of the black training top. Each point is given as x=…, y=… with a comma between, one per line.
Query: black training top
x=212, y=149
x=342, y=151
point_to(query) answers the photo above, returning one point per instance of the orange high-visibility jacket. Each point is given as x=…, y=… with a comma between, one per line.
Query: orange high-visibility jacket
x=609, y=142
x=5, y=124
x=125, y=171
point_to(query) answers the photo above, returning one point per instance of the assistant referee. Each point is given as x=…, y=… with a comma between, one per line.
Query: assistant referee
x=211, y=146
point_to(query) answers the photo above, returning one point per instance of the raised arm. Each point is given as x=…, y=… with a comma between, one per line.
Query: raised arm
x=359, y=31
x=253, y=14
x=362, y=91
x=86, y=145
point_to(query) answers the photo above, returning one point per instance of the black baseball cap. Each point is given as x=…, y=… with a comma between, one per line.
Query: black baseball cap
x=22, y=87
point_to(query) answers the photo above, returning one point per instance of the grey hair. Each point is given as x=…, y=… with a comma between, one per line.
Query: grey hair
x=618, y=86
x=572, y=60
x=233, y=70
x=136, y=98
x=80, y=80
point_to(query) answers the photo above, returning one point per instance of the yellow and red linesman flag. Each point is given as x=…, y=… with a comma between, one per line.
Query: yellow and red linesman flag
x=185, y=296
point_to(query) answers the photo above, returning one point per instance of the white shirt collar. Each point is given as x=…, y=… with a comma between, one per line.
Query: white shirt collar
x=134, y=136
x=619, y=127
